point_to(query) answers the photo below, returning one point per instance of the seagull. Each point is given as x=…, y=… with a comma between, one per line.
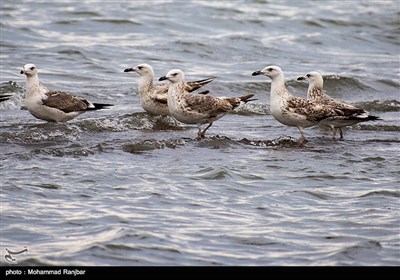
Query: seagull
x=53, y=106
x=353, y=116
x=292, y=110
x=153, y=98
x=197, y=109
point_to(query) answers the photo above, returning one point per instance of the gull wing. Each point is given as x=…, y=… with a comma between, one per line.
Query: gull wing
x=207, y=105
x=65, y=102
x=313, y=111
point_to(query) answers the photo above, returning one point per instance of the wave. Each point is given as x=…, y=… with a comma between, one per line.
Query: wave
x=319, y=195
x=116, y=21
x=380, y=105
x=341, y=83
x=281, y=142
x=135, y=121
x=377, y=127
x=212, y=142
x=68, y=151
x=220, y=173
x=382, y=193
x=10, y=87
x=368, y=249
x=41, y=133
x=152, y=144
x=252, y=108
x=17, y=98
x=83, y=13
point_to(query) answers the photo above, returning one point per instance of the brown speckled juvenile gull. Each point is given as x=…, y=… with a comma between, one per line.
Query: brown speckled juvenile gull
x=352, y=114
x=292, y=110
x=153, y=98
x=53, y=106
x=197, y=109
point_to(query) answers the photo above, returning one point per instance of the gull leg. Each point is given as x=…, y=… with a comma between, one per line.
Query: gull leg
x=334, y=132
x=175, y=121
x=302, y=139
x=199, y=136
x=203, y=133
x=341, y=133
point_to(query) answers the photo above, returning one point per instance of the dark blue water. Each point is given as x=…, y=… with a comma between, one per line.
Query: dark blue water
x=121, y=187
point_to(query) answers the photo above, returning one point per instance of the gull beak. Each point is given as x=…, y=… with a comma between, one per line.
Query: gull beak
x=301, y=78
x=256, y=73
x=163, y=78
x=22, y=71
x=129, y=70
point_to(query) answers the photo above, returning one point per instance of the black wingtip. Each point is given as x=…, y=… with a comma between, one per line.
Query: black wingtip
x=247, y=98
x=4, y=97
x=206, y=81
x=99, y=106
x=374, y=118
x=251, y=99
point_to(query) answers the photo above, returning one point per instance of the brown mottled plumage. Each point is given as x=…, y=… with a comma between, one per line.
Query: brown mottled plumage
x=350, y=114
x=197, y=109
x=153, y=98
x=310, y=110
x=66, y=102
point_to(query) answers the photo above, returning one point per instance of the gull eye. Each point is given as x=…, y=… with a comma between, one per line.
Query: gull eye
x=140, y=67
x=270, y=69
x=174, y=74
x=308, y=75
x=32, y=68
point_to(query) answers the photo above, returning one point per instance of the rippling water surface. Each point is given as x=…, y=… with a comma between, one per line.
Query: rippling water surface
x=121, y=187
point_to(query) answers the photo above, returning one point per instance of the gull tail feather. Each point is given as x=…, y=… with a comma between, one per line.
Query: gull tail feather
x=364, y=119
